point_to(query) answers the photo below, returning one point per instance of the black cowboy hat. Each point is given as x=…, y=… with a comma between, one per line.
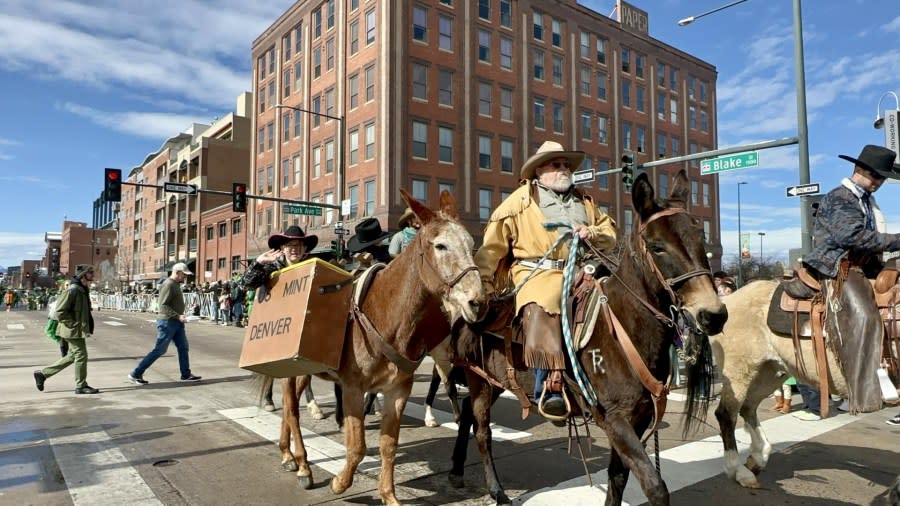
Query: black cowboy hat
x=291, y=233
x=368, y=232
x=877, y=159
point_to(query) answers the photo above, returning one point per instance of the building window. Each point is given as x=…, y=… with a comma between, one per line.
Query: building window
x=506, y=156
x=626, y=93
x=445, y=144
x=484, y=46
x=626, y=59
x=353, y=85
x=661, y=75
x=317, y=110
x=354, y=146
x=329, y=157
x=538, y=26
x=661, y=144
x=419, y=139
x=506, y=49
x=641, y=139
x=354, y=37
x=601, y=85
x=370, y=83
x=484, y=152
x=506, y=13
x=557, y=70
x=586, y=125
x=602, y=129
x=585, y=80
x=270, y=135
x=298, y=76
x=661, y=106
x=484, y=9
x=297, y=169
x=558, y=113
x=695, y=189
x=370, y=27
x=329, y=54
x=556, y=38
x=673, y=111
x=629, y=221
x=370, y=197
x=223, y=230
x=354, y=200
x=692, y=117
x=484, y=99
x=270, y=179
x=603, y=179
x=506, y=104
x=330, y=14
x=703, y=91
x=298, y=126
x=420, y=24
x=585, y=45
x=639, y=65
x=419, y=81
x=286, y=126
x=209, y=264
x=261, y=142
x=690, y=87
x=626, y=135
x=539, y=113
x=286, y=84
x=639, y=99
x=316, y=161
x=445, y=87
x=209, y=234
x=445, y=33
x=676, y=146
x=601, y=50
x=704, y=121
x=484, y=204
x=285, y=172
x=329, y=102
x=235, y=263
x=420, y=190
x=317, y=62
x=445, y=186
x=673, y=79
x=221, y=263
x=370, y=141
x=538, y=65
x=706, y=194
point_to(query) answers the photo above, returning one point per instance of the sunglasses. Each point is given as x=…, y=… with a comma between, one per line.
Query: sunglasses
x=560, y=165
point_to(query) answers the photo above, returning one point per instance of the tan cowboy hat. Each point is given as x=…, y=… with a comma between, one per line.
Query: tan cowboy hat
x=550, y=150
x=407, y=215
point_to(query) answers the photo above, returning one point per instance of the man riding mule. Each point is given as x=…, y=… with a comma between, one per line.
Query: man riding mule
x=522, y=231
x=849, y=236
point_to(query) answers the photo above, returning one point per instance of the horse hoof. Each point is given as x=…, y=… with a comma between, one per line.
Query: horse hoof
x=290, y=465
x=431, y=422
x=337, y=487
x=306, y=482
x=753, y=466
x=746, y=479
x=456, y=480
x=501, y=498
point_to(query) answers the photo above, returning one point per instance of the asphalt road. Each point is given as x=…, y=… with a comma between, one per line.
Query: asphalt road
x=206, y=443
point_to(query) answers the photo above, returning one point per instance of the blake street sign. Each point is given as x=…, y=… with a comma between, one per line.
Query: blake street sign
x=729, y=162
x=803, y=189
x=583, y=176
x=301, y=209
x=190, y=189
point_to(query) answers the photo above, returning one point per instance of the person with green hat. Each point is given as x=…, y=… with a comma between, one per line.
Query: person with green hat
x=75, y=323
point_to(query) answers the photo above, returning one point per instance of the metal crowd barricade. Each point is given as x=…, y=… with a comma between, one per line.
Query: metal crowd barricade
x=145, y=302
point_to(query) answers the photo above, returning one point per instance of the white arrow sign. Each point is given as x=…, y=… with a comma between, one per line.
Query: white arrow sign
x=803, y=189
x=190, y=189
x=583, y=176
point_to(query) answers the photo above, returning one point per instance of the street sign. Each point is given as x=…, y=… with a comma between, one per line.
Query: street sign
x=341, y=231
x=803, y=189
x=189, y=189
x=729, y=162
x=303, y=210
x=583, y=176
x=345, y=207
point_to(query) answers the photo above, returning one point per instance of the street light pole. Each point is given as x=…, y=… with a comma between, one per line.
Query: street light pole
x=740, y=273
x=761, y=235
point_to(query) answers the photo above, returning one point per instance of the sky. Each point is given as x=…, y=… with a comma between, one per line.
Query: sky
x=102, y=83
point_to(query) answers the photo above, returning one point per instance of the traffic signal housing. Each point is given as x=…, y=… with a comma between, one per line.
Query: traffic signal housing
x=628, y=165
x=112, y=185
x=239, y=197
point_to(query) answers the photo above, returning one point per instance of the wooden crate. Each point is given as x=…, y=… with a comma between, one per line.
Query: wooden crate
x=294, y=328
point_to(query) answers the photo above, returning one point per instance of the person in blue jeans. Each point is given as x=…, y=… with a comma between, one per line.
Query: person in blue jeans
x=169, y=327
x=811, y=412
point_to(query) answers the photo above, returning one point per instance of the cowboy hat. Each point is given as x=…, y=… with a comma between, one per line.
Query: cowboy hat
x=551, y=150
x=877, y=159
x=407, y=215
x=368, y=232
x=291, y=233
x=83, y=269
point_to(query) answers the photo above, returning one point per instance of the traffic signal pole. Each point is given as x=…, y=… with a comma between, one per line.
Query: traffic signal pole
x=249, y=196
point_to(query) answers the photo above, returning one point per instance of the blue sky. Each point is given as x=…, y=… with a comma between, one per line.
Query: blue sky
x=102, y=83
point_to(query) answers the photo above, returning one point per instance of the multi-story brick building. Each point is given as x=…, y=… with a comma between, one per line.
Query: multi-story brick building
x=50, y=262
x=81, y=244
x=159, y=228
x=442, y=94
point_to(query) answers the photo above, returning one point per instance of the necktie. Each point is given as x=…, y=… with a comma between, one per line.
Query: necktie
x=870, y=222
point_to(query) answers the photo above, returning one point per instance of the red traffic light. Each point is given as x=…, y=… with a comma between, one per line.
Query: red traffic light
x=239, y=188
x=112, y=175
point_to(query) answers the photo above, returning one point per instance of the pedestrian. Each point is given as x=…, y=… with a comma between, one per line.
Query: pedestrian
x=169, y=327
x=74, y=324
x=9, y=299
x=369, y=238
x=285, y=249
x=517, y=235
x=409, y=224
x=810, y=411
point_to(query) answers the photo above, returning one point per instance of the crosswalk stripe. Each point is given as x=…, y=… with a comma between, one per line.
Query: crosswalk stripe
x=115, y=324
x=96, y=471
x=685, y=465
x=445, y=419
x=15, y=326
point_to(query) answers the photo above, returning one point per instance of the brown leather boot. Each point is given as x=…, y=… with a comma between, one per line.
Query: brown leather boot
x=786, y=406
x=779, y=404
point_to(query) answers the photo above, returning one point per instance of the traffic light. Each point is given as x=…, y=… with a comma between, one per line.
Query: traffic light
x=239, y=197
x=628, y=166
x=27, y=274
x=112, y=185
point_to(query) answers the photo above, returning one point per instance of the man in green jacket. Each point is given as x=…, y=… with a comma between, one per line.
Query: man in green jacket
x=73, y=312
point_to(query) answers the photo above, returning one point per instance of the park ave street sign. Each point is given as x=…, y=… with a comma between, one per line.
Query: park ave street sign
x=302, y=210
x=729, y=162
x=803, y=189
x=190, y=189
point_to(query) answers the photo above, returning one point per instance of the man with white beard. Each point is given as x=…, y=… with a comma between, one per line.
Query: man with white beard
x=520, y=232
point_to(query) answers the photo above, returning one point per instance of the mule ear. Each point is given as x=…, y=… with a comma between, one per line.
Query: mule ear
x=643, y=198
x=423, y=213
x=681, y=188
x=448, y=205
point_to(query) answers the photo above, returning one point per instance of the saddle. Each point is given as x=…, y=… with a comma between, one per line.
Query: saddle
x=887, y=296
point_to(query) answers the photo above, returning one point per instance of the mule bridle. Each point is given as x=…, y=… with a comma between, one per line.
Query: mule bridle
x=456, y=279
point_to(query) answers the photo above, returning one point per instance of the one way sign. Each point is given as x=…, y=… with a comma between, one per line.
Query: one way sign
x=803, y=189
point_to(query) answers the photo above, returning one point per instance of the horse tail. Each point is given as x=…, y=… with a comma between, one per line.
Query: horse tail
x=700, y=375
x=262, y=384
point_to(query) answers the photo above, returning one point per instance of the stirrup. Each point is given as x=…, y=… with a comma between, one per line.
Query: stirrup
x=554, y=418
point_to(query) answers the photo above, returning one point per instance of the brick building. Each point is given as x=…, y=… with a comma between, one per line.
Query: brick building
x=160, y=228
x=50, y=261
x=81, y=244
x=442, y=94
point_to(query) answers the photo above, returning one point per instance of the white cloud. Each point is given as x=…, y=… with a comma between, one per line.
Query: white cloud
x=893, y=26
x=15, y=247
x=152, y=125
x=34, y=180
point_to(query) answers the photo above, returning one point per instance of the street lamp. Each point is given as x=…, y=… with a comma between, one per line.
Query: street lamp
x=802, y=130
x=740, y=273
x=761, y=235
x=341, y=172
x=879, y=119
